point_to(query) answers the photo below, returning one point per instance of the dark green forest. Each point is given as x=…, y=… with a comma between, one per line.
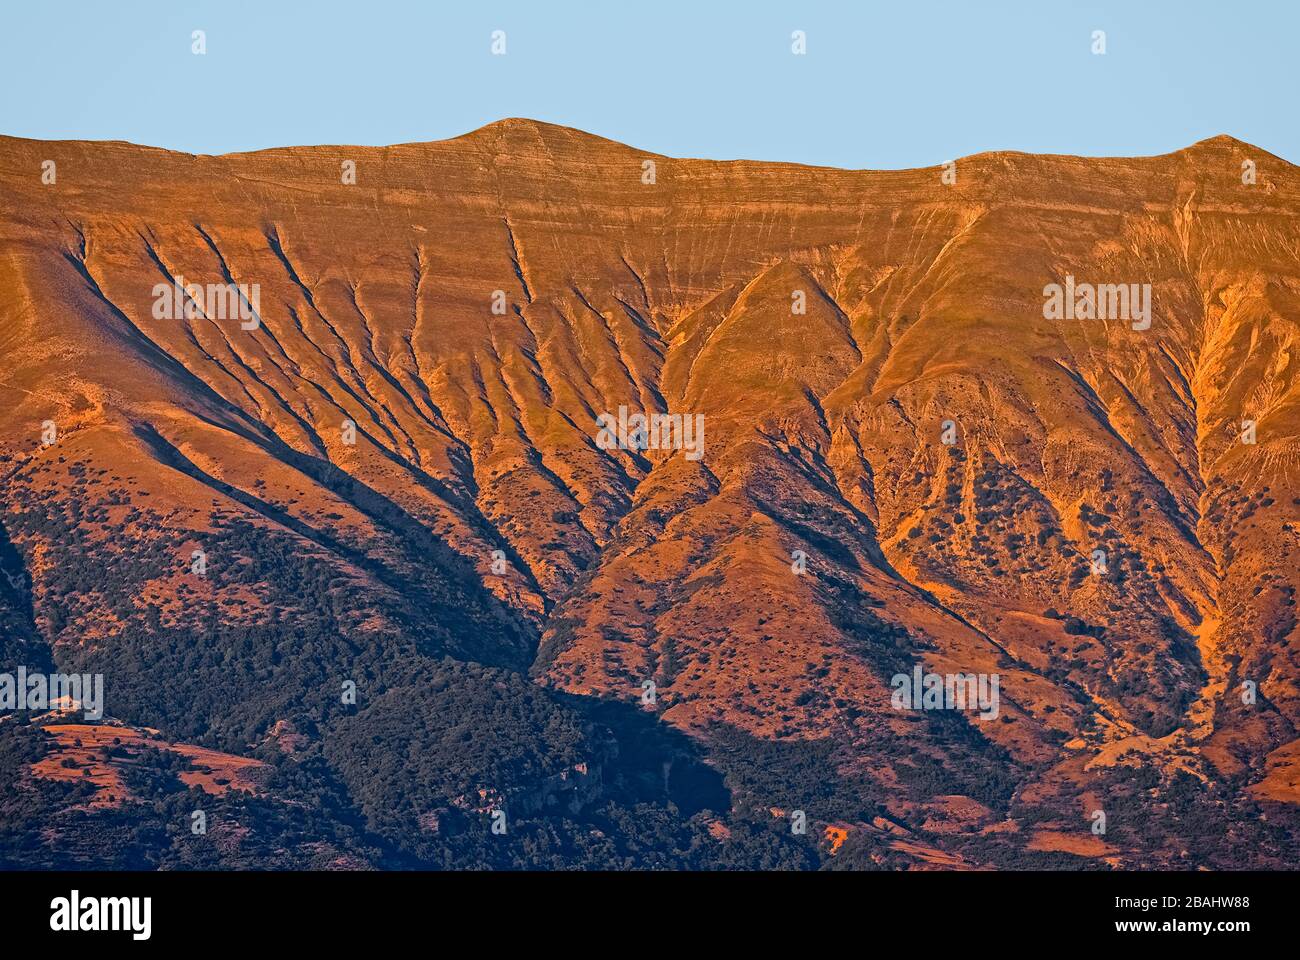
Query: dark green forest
x=446, y=735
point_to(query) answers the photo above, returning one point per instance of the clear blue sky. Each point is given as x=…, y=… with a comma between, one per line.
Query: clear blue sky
x=885, y=83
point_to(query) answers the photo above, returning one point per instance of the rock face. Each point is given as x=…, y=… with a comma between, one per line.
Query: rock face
x=903, y=455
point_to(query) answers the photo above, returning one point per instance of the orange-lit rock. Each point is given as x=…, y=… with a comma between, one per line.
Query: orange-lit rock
x=920, y=314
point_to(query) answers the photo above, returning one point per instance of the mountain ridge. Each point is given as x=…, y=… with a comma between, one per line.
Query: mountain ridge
x=557, y=130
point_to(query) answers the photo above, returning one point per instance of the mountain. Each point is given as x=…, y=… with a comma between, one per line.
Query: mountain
x=1027, y=419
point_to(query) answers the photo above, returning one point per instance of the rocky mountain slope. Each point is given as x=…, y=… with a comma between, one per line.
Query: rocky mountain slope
x=391, y=463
